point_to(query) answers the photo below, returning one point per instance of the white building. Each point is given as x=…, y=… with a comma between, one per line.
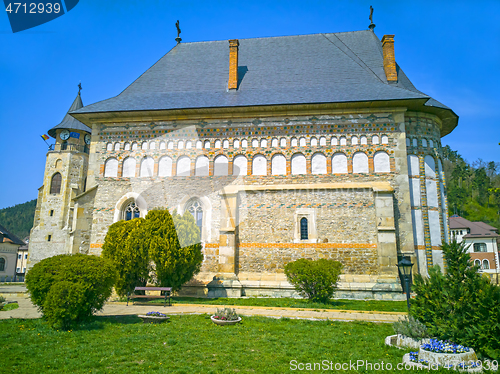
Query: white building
x=482, y=240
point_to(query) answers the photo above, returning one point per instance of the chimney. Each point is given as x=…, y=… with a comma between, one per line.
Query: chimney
x=232, y=83
x=389, y=60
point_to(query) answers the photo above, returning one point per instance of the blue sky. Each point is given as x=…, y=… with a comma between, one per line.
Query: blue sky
x=449, y=49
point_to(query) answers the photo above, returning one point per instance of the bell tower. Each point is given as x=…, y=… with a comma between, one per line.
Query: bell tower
x=64, y=178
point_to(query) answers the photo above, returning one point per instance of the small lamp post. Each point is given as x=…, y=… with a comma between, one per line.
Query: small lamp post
x=404, y=267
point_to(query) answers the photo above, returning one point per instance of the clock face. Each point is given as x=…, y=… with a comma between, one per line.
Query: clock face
x=64, y=135
x=87, y=139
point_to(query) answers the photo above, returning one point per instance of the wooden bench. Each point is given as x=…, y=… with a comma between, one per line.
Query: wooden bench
x=167, y=294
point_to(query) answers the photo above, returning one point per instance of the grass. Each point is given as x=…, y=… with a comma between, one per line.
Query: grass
x=10, y=306
x=191, y=344
x=367, y=305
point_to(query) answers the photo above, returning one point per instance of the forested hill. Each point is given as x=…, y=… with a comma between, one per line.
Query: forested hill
x=473, y=189
x=18, y=219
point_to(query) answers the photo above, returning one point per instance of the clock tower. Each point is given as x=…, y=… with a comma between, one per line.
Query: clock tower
x=64, y=179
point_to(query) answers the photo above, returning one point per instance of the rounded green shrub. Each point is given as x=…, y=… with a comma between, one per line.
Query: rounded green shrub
x=69, y=289
x=314, y=279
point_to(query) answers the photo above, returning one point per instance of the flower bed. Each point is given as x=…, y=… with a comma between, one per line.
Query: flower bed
x=225, y=316
x=153, y=317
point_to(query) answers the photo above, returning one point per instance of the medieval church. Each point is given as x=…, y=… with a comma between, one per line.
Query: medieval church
x=309, y=146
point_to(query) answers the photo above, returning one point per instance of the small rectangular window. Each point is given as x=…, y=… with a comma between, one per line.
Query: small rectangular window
x=49, y=238
x=26, y=256
x=51, y=213
x=24, y=270
x=18, y=270
x=479, y=247
x=19, y=256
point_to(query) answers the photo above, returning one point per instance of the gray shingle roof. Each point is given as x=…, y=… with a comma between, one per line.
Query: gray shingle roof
x=303, y=69
x=477, y=229
x=69, y=122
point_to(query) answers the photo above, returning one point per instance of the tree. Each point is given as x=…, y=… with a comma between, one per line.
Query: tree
x=461, y=305
x=187, y=231
x=69, y=289
x=314, y=279
x=122, y=246
x=174, y=265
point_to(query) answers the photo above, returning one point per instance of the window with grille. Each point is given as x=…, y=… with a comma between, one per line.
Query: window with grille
x=55, y=184
x=479, y=247
x=194, y=207
x=131, y=211
x=304, y=233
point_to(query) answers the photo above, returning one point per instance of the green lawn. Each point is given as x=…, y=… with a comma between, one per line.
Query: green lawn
x=191, y=344
x=373, y=305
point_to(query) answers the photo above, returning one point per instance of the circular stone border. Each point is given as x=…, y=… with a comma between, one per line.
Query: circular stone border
x=152, y=319
x=224, y=322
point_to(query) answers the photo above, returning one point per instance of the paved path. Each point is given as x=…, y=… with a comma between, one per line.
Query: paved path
x=27, y=310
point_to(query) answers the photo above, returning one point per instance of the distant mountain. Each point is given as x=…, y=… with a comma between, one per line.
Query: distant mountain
x=18, y=219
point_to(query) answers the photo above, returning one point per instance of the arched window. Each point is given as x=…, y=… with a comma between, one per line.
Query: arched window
x=354, y=140
x=194, y=207
x=147, y=167
x=183, y=166
x=293, y=142
x=240, y=165
x=244, y=143
x=236, y=143
x=217, y=143
x=127, y=146
x=339, y=163
x=385, y=139
x=2, y=264
x=430, y=166
x=201, y=166
x=274, y=142
x=134, y=146
x=109, y=147
x=144, y=146
x=165, y=167
x=170, y=145
x=381, y=162
x=424, y=143
x=259, y=165
x=364, y=140
x=180, y=144
x=278, y=165
x=152, y=145
x=302, y=142
x=55, y=183
x=131, y=211
x=486, y=264
x=225, y=143
x=407, y=142
x=207, y=144
x=111, y=168
x=221, y=165
x=360, y=163
x=318, y=163
x=477, y=263
x=128, y=169
x=334, y=141
x=415, y=142
x=263, y=143
x=431, y=144
x=163, y=145
x=199, y=144
x=283, y=142
x=304, y=233
x=117, y=146
x=189, y=144
x=322, y=141
x=255, y=143
x=343, y=140
x=299, y=164
x=314, y=142
x=375, y=139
